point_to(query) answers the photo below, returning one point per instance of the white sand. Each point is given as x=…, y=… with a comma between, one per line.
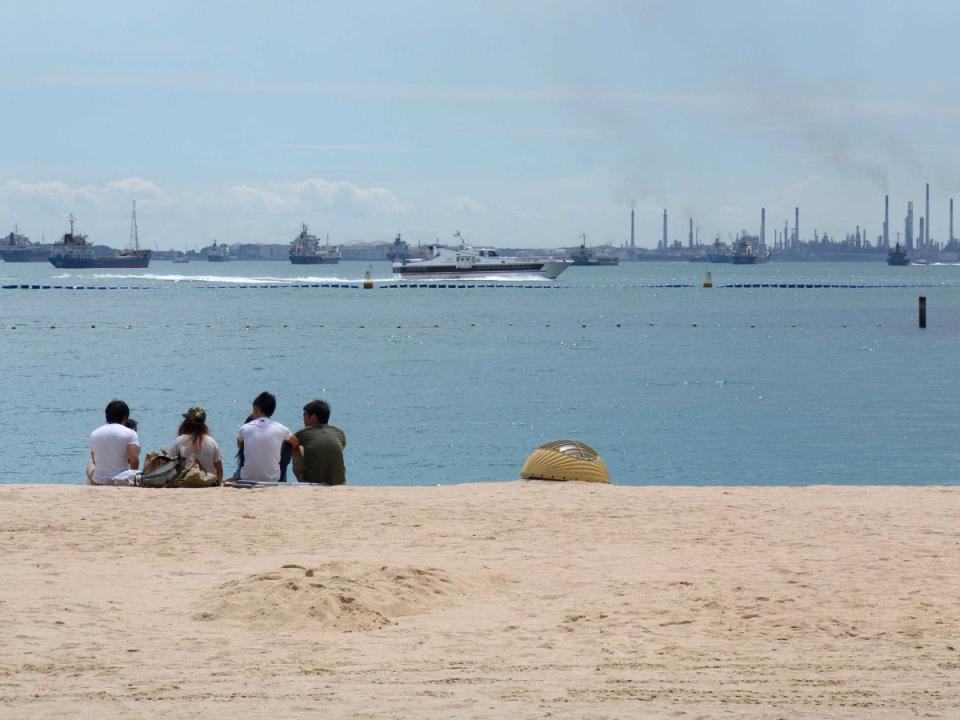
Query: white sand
x=513, y=600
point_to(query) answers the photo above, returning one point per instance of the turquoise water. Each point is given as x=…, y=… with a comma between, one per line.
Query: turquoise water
x=670, y=385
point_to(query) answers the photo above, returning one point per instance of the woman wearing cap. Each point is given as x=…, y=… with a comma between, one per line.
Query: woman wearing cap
x=194, y=444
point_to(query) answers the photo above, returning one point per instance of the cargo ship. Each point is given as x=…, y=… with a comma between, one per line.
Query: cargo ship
x=18, y=248
x=307, y=250
x=585, y=256
x=73, y=251
x=218, y=253
x=898, y=256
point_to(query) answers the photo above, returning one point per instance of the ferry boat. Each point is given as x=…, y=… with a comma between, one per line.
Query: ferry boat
x=18, y=248
x=218, y=253
x=584, y=256
x=73, y=251
x=307, y=250
x=465, y=261
x=897, y=256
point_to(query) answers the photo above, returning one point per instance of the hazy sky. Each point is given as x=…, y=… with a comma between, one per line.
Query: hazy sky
x=519, y=123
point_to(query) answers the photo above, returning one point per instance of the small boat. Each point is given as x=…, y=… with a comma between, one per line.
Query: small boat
x=584, y=256
x=897, y=256
x=180, y=258
x=465, y=261
x=307, y=250
x=73, y=251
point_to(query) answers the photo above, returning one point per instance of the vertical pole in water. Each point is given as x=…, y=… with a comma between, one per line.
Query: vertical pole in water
x=923, y=311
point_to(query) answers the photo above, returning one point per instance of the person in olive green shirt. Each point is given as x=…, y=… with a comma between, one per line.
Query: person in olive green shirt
x=318, y=447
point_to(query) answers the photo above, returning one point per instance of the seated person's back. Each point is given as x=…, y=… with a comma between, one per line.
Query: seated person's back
x=114, y=447
x=319, y=458
x=261, y=440
x=322, y=460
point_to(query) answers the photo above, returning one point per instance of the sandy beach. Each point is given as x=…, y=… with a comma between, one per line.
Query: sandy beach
x=507, y=600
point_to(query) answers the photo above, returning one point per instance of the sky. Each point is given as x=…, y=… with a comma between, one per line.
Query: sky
x=520, y=124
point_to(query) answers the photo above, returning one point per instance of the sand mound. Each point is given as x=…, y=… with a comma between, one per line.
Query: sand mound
x=337, y=596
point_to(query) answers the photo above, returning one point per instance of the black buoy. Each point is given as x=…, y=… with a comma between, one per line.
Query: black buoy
x=923, y=311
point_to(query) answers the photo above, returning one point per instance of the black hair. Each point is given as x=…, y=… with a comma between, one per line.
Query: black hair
x=266, y=402
x=320, y=408
x=130, y=423
x=116, y=411
x=195, y=429
x=239, y=454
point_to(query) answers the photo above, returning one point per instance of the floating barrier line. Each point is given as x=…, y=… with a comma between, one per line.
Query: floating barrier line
x=401, y=285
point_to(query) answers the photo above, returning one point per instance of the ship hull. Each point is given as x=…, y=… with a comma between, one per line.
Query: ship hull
x=596, y=261
x=216, y=258
x=83, y=263
x=25, y=255
x=300, y=260
x=549, y=270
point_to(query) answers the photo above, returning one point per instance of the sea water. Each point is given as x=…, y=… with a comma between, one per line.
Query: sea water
x=669, y=381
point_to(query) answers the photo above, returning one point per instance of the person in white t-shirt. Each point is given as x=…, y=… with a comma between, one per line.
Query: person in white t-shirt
x=262, y=440
x=114, y=448
x=194, y=444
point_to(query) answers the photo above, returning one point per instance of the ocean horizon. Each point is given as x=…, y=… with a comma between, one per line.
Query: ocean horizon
x=751, y=382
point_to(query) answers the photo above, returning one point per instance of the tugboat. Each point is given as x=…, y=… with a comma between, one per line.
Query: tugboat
x=73, y=251
x=307, y=250
x=897, y=256
x=583, y=256
x=467, y=262
x=18, y=248
x=218, y=253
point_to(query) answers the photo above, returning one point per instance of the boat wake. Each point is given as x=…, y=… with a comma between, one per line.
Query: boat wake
x=212, y=279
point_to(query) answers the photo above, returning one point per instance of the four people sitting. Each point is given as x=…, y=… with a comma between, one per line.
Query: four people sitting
x=265, y=446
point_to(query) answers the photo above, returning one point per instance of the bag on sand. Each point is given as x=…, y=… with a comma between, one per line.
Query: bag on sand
x=159, y=469
x=194, y=477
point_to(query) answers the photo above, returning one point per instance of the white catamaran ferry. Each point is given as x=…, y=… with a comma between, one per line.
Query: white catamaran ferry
x=465, y=261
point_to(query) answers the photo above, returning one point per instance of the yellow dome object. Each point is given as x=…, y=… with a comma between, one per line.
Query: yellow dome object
x=565, y=460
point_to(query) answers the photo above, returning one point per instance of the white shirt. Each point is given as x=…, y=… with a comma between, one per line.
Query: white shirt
x=262, y=441
x=108, y=443
x=209, y=452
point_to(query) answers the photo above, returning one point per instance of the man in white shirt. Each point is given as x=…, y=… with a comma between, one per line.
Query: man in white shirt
x=262, y=440
x=114, y=448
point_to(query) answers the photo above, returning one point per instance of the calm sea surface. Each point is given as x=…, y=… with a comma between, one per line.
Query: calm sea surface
x=675, y=385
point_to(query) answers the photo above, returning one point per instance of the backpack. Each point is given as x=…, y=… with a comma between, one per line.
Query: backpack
x=159, y=470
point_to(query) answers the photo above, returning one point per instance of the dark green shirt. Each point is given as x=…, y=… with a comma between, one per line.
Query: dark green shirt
x=322, y=460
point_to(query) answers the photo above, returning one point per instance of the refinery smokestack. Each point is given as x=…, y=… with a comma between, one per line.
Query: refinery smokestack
x=690, y=234
x=908, y=227
x=796, y=225
x=951, y=219
x=886, y=221
x=925, y=232
x=665, y=245
x=763, y=227
x=631, y=228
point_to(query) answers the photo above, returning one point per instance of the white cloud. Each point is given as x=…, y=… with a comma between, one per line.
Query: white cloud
x=48, y=193
x=332, y=196
x=137, y=188
x=466, y=204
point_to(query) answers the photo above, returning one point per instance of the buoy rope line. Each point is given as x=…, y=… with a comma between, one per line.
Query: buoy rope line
x=463, y=286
